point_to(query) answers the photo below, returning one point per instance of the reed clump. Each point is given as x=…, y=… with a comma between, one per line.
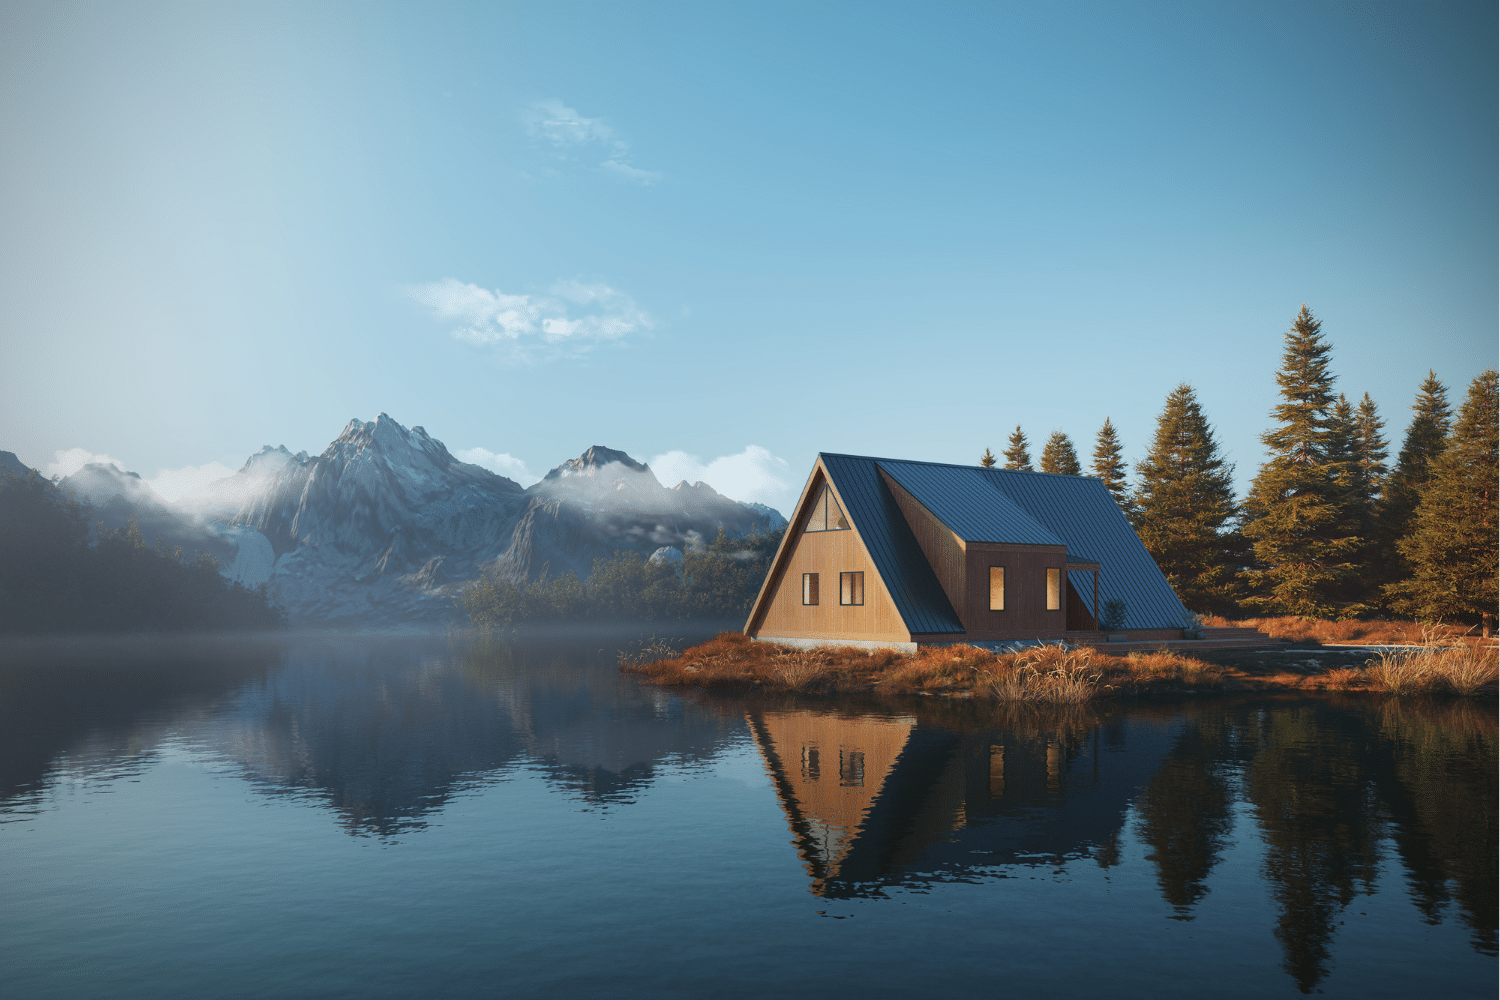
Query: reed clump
x=1460, y=669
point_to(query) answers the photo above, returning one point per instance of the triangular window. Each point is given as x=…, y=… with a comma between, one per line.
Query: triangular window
x=826, y=513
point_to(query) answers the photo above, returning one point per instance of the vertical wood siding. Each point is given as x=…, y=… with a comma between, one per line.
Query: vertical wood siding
x=829, y=553
x=1025, y=591
x=944, y=550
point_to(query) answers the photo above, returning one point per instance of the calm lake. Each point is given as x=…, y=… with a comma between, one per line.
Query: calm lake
x=432, y=817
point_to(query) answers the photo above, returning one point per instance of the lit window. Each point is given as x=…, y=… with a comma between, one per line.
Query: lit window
x=997, y=588
x=852, y=768
x=810, y=768
x=826, y=513
x=809, y=588
x=1054, y=590
x=851, y=588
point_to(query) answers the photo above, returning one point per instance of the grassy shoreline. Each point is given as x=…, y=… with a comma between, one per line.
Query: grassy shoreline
x=1054, y=674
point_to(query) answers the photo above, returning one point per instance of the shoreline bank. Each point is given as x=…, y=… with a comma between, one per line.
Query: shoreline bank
x=1061, y=675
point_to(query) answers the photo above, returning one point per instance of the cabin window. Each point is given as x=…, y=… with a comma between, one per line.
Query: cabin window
x=1054, y=589
x=809, y=588
x=810, y=768
x=852, y=768
x=851, y=588
x=997, y=588
x=826, y=513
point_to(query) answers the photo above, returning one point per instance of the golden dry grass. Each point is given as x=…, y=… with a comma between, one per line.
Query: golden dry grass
x=1462, y=670
x=1042, y=674
x=1379, y=633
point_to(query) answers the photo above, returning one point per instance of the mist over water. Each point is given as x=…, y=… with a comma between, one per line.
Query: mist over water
x=395, y=815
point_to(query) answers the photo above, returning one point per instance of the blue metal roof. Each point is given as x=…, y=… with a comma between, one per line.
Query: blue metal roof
x=1034, y=508
x=1080, y=510
x=904, y=570
x=962, y=497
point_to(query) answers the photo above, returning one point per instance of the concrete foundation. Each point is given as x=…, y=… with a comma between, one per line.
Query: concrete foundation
x=900, y=647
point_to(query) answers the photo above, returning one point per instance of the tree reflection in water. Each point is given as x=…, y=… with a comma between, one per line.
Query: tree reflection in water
x=1332, y=785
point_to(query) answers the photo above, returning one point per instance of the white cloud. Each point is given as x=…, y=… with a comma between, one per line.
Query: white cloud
x=569, y=320
x=753, y=475
x=68, y=462
x=502, y=464
x=189, y=483
x=566, y=128
x=570, y=135
x=630, y=173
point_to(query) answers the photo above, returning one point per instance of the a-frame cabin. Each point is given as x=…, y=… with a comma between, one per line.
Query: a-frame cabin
x=897, y=553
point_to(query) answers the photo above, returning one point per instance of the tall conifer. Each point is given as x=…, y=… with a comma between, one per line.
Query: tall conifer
x=1018, y=455
x=1058, y=456
x=1185, y=507
x=1109, y=465
x=1425, y=440
x=1298, y=505
x=1367, y=475
x=1452, y=543
x=1346, y=465
x=987, y=460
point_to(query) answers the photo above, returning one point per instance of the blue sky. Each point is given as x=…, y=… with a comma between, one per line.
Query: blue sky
x=725, y=237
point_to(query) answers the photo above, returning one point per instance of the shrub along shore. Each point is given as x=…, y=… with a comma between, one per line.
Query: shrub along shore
x=1056, y=674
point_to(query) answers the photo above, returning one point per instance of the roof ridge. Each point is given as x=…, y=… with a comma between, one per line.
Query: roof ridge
x=953, y=465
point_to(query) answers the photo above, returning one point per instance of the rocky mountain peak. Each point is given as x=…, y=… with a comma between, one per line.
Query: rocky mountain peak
x=269, y=460
x=594, y=461
x=699, y=488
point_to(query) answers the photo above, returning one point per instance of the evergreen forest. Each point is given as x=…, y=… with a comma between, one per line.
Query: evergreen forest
x=1331, y=528
x=717, y=581
x=55, y=578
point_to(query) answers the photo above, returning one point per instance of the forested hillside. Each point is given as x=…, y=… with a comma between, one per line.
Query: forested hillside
x=54, y=578
x=720, y=580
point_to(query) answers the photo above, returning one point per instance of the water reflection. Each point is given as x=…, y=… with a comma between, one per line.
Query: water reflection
x=882, y=800
x=383, y=733
x=1324, y=799
x=102, y=709
x=1335, y=788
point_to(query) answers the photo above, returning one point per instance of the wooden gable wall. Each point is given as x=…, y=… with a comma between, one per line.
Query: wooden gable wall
x=779, y=609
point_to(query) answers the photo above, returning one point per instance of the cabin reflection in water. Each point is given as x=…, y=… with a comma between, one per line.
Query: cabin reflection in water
x=887, y=800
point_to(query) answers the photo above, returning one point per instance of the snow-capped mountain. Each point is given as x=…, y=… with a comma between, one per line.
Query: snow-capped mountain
x=387, y=526
x=603, y=501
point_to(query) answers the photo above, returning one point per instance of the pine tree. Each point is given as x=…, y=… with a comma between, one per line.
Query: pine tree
x=1298, y=504
x=1185, y=508
x=1109, y=465
x=1368, y=476
x=987, y=460
x=1425, y=440
x=1347, y=468
x=1452, y=544
x=1018, y=455
x=1059, y=458
x=1373, y=447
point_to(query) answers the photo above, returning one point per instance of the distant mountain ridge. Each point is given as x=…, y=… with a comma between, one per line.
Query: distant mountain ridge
x=386, y=525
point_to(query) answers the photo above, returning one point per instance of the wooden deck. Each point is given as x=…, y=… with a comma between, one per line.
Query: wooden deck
x=1215, y=638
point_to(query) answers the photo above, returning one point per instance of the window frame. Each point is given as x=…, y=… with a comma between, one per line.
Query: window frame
x=1001, y=608
x=809, y=590
x=819, y=513
x=1054, y=588
x=847, y=588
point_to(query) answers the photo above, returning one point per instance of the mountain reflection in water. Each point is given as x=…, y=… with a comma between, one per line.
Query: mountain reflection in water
x=1308, y=806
